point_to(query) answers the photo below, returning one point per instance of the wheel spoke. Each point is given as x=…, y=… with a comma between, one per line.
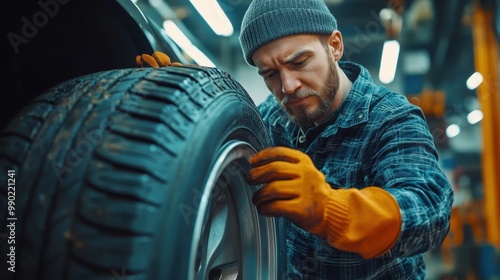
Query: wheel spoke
x=230, y=245
x=223, y=243
x=218, y=252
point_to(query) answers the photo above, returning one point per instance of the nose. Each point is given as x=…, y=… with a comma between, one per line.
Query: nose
x=289, y=83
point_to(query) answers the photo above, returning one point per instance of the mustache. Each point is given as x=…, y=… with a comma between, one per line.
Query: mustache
x=297, y=96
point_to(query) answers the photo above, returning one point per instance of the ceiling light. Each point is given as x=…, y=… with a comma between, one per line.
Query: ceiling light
x=389, y=62
x=213, y=14
x=474, y=81
x=452, y=130
x=185, y=44
x=475, y=116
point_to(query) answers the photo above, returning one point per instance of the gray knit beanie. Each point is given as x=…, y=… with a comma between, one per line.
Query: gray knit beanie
x=267, y=20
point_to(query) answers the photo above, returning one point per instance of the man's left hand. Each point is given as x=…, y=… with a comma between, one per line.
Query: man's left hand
x=295, y=188
x=156, y=60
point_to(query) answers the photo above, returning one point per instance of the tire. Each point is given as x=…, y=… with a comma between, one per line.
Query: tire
x=136, y=174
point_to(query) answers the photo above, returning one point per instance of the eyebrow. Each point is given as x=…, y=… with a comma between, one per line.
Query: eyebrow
x=297, y=56
x=287, y=61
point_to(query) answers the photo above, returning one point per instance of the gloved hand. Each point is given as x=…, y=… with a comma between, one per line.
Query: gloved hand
x=295, y=188
x=158, y=59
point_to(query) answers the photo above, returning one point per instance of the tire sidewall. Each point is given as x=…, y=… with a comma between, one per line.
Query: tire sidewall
x=230, y=117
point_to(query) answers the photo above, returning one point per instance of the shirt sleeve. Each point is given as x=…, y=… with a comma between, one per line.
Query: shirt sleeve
x=408, y=210
x=406, y=166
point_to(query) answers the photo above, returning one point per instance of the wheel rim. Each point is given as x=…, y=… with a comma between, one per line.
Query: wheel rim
x=231, y=240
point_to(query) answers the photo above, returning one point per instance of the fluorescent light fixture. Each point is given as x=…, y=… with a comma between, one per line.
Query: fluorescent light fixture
x=185, y=44
x=452, y=130
x=213, y=14
x=475, y=116
x=474, y=81
x=389, y=61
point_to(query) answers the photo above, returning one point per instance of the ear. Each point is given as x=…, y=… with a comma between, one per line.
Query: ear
x=336, y=44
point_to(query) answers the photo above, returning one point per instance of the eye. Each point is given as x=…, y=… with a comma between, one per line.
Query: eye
x=269, y=75
x=299, y=63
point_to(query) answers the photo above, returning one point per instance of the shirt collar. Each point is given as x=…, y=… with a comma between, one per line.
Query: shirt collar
x=355, y=108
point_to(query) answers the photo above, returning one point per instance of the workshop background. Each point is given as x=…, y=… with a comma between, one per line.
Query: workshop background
x=441, y=54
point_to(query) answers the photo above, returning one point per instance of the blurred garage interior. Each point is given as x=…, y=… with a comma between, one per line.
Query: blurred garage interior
x=445, y=54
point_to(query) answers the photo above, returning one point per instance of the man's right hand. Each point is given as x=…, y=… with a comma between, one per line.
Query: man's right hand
x=158, y=59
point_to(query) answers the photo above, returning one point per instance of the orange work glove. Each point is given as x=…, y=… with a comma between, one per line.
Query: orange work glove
x=295, y=188
x=158, y=59
x=349, y=219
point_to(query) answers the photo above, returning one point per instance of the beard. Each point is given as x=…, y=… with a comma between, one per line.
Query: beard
x=305, y=117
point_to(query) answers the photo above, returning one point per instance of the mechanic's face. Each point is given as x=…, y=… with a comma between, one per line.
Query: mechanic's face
x=302, y=74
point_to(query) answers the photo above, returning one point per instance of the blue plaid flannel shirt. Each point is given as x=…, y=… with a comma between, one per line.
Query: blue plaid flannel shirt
x=376, y=138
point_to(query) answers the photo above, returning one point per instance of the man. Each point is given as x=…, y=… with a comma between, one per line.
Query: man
x=353, y=169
